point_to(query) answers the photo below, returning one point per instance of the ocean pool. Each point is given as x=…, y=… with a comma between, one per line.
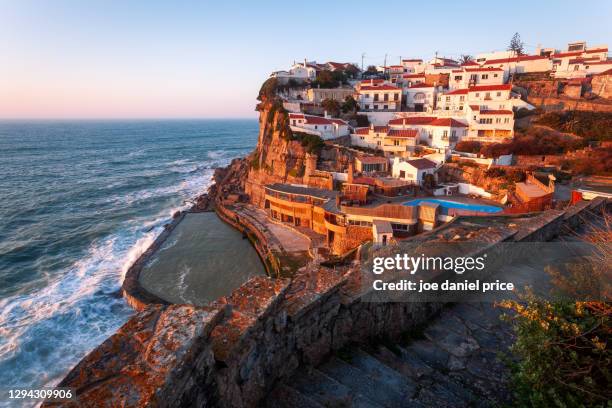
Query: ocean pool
x=448, y=204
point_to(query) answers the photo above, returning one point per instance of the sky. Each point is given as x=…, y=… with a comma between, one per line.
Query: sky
x=207, y=59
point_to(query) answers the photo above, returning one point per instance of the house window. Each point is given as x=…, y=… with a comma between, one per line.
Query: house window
x=460, y=107
x=316, y=127
x=494, y=75
x=367, y=96
x=375, y=107
x=293, y=122
x=378, y=143
x=461, y=98
x=458, y=77
x=367, y=106
x=362, y=138
x=396, y=142
x=498, y=94
x=488, y=95
x=478, y=94
x=386, y=107
x=485, y=76
x=375, y=97
x=395, y=96
x=448, y=99
x=576, y=67
x=506, y=120
x=445, y=135
x=447, y=108
x=497, y=120
x=386, y=97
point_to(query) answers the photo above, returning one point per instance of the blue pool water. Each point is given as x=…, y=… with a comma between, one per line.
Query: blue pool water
x=79, y=201
x=456, y=205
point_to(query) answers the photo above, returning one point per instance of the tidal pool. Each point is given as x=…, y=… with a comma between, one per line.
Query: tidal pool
x=202, y=260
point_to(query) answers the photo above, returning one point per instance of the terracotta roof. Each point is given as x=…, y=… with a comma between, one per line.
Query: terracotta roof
x=338, y=121
x=412, y=60
x=469, y=64
x=475, y=107
x=372, y=160
x=402, y=133
x=596, y=50
x=496, y=112
x=296, y=116
x=317, y=120
x=414, y=120
x=503, y=87
x=374, y=80
x=567, y=54
x=375, y=129
x=421, y=85
x=457, y=92
x=515, y=59
x=604, y=62
x=422, y=164
x=380, y=88
x=362, y=131
x=413, y=76
x=447, y=122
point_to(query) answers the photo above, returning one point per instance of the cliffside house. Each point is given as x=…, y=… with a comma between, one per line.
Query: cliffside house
x=383, y=97
x=413, y=170
x=318, y=95
x=392, y=141
x=325, y=127
x=420, y=97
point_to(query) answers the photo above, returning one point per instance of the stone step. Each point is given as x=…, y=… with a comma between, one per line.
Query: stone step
x=378, y=370
x=361, y=383
x=323, y=389
x=284, y=396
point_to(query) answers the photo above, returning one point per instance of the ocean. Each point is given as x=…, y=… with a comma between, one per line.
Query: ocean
x=79, y=201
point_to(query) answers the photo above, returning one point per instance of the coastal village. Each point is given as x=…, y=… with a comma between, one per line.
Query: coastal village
x=393, y=151
x=499, y=150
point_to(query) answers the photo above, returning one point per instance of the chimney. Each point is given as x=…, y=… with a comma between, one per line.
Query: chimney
x=371, y=126
x=325, y=115
x=304, y=62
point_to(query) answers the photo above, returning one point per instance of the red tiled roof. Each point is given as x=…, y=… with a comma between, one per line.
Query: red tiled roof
x=412, y=60
x=475, y=107
x=317, y=120
x=593, y=50
x=402, y=133
x=496, y=112
x=413, y=76
x=296, y=116
x=604, y=62
x=374, y=80
x=567, y=54
x=503, y=87
x=469, y=64
x=457, y=92
x=372, y=160
x=415, y=120
x=375, y=129
x=379, y=88
x=515, y=59
x=362, y=131
x=421, y=85
x=487, y=69
x=447, y=122
x=338, y=121
x=422, y=164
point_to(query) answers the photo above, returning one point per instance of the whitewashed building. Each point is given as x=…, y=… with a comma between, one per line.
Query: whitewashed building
x=392, y=141
x=325, y=127
x=413, y=170
x=381, y=97
x=466, y=77
x=420, y=97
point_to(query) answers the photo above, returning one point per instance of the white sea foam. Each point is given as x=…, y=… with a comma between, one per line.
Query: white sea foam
x=43, y=332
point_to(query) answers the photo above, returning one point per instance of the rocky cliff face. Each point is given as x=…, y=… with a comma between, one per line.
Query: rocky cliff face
x=276, y=159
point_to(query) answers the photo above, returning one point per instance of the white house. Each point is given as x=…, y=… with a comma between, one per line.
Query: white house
x=413, y=170
x=420, y=97
x=392, y=141
x=446, y=132
x=452, y=100
x=325, y=127
x=466, y=77
x=520, y=64
x=413, y=65
x=380, y=98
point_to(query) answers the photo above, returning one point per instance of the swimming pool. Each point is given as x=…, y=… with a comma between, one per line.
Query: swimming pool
x=456, y=205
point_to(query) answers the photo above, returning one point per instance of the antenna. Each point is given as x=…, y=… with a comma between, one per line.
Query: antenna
x=362, y=57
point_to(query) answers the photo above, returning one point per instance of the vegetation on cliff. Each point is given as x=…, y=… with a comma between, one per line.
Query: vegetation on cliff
x=589, y=125
x=563, y=345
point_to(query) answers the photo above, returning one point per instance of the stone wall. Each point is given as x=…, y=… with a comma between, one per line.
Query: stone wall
x=554, y=104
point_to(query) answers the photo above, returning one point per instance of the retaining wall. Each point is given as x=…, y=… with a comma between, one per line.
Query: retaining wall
x=232, y=353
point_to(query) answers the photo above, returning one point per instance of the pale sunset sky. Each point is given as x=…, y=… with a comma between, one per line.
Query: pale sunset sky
x=207, y=59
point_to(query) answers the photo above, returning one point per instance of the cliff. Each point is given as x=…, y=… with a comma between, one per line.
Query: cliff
x=277, y=158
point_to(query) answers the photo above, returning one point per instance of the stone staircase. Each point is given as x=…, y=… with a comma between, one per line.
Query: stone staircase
x=452, y=363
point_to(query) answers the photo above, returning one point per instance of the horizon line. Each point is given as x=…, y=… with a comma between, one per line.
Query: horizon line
x=131, y=118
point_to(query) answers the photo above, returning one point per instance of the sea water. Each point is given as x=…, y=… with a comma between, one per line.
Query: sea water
x=79, y=201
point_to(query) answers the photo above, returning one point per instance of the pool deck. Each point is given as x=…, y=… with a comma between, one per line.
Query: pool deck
x=464, y=199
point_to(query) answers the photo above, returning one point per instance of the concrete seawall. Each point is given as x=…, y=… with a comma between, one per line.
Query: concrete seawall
x=233, y=352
